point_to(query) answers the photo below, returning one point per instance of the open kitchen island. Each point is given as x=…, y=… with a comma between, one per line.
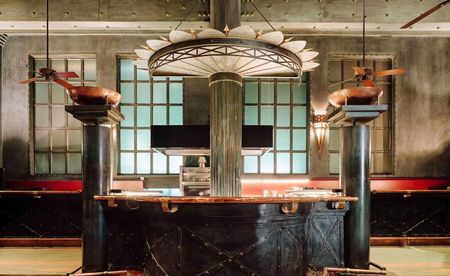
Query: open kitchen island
x=224, y=235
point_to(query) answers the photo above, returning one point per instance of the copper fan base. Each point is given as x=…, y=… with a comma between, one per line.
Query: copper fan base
x=93, y=95
x=355, y=96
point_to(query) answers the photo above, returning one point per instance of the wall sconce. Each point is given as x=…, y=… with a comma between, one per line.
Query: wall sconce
x=320, y=125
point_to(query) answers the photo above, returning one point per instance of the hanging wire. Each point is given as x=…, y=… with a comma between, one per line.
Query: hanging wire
x=47, y=37
x=251, y=2
x=364, y=33
x=186, y=16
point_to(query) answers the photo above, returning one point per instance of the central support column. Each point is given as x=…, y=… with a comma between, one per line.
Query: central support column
x=226, y=133
x=225, y=12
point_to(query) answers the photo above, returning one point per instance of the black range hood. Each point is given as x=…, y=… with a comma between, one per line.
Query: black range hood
x=194, y=139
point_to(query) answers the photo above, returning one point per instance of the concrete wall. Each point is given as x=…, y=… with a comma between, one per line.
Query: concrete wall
x=422, y=96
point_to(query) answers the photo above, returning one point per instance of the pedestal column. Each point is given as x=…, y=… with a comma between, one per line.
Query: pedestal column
x=354, y=178
x=97, y=176
x=226, y=133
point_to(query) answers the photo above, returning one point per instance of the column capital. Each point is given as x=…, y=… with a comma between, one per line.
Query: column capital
x=356, y=114
x=96, y=114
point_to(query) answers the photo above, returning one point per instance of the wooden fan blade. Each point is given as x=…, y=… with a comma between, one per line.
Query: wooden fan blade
x=359, y=70
x=425, y=14
x=63, y=83
x=28, y=80
x=66, y=75
x=396, y=71
x=344, y=81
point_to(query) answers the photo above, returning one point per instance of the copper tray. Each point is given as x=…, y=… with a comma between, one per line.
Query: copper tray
x=93, y=95
x=355, y=96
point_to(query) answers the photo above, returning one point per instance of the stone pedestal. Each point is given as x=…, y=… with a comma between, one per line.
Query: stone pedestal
x=97, y=176
x=354, y=178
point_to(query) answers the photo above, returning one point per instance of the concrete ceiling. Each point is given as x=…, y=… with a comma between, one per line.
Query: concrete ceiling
x=294, y=16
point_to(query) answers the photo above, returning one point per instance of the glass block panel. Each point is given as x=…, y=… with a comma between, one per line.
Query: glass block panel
x=283, y=139
x=267, y=115
x=126, y=162
x=159, y=115
x=159, y=163
x=143, y=93
x=283, y=92
x=283, y=116
x=128, y=113
x=175, y=115
x=143, y=163
x=176, y=78
x=41, y=140
x=348, y=70
x=127, y=92
x=40, y=63
x=176, y=93
x=159, y=78
x=58, y=140
x=72, y=122
x=41, y=163
x=159, y=93
x=142, y=75
x=90, y=69
x=299, y=93
x=126, y=69
x=299, y=139
x=250, y=115
x=334, y=163
x=41, y=93
x=126, y=139
x=267, y=92
x=283, y=162
x=299, y=116
x=380, y=139
x=383, y=120
x=175, y=163
x=266, y=163
x=385, y=97
x=143, y=139
x=57, y=65
x=74, y=65
x=334, y=140
x=251, y=92
x=58, y=116
x=299, y=163
x=58, y=94
x=381, y=163
x=250, y=164
x=74, y=163
x=143, y=116
x=74, y=139
x=41, y=115
x=58, y=163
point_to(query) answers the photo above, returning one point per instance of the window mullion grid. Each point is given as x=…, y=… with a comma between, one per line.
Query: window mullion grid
x=275, y=124
x=135, y=105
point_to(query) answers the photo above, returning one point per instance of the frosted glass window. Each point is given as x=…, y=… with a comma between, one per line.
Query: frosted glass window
x=334, y=163
x=334, y=139
x=158, y=101
x=159, y=93
x=283, y=163
x=283, y=116
x=143, y=116
x=281, y=103
x=251, y=115
x=299, y=163
x=57, y=135
x=176, y=93
x=127, y=92
x=159, y=163
x=143, y=93
x=175, y=115
x=251, y=92
x=250, y=164
x=126, y=69
x=283, y=93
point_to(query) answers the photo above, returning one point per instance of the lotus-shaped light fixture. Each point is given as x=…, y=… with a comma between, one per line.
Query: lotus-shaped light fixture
x=240, y=50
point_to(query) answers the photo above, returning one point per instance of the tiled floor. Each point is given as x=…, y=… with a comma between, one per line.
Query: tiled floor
x=411, y=261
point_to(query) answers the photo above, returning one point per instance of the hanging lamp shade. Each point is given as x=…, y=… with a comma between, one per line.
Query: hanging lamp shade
x=240, y=50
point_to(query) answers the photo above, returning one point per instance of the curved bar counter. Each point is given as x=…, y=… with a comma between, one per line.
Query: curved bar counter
x=224, y=235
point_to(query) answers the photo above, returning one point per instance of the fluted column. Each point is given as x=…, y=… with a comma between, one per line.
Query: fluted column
x=226, y=133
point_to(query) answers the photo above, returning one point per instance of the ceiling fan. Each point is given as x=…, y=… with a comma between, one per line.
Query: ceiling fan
x=365, y=92
x=48, y=73
x=425, y=14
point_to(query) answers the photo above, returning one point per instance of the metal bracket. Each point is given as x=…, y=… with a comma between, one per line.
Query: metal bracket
x=289, y=208
x=112, y=203
x=169, y=207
